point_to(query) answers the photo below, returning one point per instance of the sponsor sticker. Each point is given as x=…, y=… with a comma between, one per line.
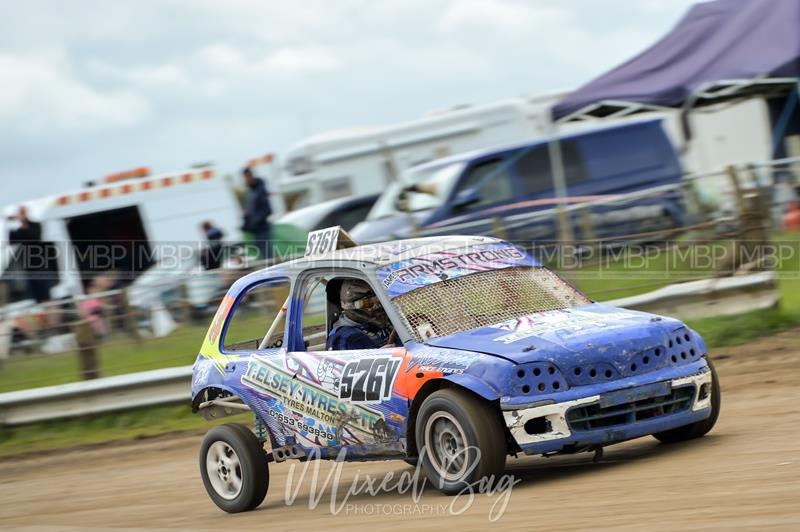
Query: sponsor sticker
x=369, y=380
x=573, y=322
x=308, y=400
x=448, y=364
x=403, y=276
x=201, y=374
x=219, y=319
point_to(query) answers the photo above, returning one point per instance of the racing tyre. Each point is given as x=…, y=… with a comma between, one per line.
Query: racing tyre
x=698, y=428
x=233, y=465
x=461, y=440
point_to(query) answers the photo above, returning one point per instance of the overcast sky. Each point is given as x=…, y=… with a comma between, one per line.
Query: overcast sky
x=92, y=87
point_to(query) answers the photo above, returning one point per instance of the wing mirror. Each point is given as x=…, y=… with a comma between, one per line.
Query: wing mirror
x=465, y=198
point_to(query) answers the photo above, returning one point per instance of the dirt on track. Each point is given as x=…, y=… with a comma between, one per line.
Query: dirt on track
x=745, y=474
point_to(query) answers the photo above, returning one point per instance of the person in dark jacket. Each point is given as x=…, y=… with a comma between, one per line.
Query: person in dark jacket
x=256, y=212
x=32, y=252
x=211, y=255
x=363, y=323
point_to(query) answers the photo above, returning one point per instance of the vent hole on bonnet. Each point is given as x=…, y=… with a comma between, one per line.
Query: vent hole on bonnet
x=537, y=372
x=521, y=374
x=646, y=360
x=658, y=352
x=683, y=355
x=691, y=351
x=686, y=337
x=540, y=387
x=577, y=371
x=593, y=373
x=526, y=389
x=633, y=367
x=551, y=370
x=608, y=374
x=556, y=385
x=670, y=343
x=674, y=358
x=678, y=339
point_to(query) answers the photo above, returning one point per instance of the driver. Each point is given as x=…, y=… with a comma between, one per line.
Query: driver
x=363, y=323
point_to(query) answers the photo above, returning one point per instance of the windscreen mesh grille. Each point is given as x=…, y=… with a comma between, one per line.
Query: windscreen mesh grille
x=485, y=298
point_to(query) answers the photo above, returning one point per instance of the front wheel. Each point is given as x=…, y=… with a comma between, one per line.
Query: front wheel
x=698, y=428
x=461, y=440
x=233, y=466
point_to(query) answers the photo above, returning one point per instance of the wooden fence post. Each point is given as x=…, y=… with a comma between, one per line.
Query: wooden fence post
x=585, y=220
x=693, y=203
x=184, y=304
x=129, y=316
x=499, y=229
x=737, y=188
x=87, y=350
x=564, y=225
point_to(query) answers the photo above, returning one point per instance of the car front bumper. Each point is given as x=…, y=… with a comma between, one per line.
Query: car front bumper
x=612, y=415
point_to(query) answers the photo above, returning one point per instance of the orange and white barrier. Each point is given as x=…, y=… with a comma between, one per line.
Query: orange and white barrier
x=263, y=160
x=142, y=171
x=131, y=187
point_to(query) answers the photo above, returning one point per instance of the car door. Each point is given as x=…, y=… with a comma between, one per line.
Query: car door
x=353, y=395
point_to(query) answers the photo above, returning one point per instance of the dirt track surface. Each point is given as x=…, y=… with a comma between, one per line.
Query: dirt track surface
x=745, y=474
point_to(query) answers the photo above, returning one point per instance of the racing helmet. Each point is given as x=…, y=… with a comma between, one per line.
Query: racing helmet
x=360, y=304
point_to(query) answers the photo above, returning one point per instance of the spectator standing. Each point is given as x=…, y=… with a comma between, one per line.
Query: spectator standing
x=28, y=236
x=92, y=307
x=256, y=213
x=211, y=255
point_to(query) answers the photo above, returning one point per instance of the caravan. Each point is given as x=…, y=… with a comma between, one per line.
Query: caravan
x=366, y=160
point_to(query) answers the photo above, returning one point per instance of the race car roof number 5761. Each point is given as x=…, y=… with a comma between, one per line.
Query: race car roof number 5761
x=324, y=241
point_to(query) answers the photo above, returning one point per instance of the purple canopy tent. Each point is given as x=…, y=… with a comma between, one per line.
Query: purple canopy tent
x=720, y=51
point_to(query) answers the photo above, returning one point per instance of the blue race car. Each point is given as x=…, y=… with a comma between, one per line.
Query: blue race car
x=489, y=354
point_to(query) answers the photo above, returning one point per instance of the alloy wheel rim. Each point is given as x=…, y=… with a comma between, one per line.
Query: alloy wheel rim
x=224, y=470
x=446, y=445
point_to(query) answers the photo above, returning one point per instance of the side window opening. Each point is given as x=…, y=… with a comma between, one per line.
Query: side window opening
x=536, y=174
x=628, y=150
x=574, y=167
x=491, y=181
x=323, y=316
x=347, y=218
x=314, y=322
x=258, y=315
x=533, y=169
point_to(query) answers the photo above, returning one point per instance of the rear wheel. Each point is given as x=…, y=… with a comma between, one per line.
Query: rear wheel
x=233, y=466
x=698, y=428
x=461, y=440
